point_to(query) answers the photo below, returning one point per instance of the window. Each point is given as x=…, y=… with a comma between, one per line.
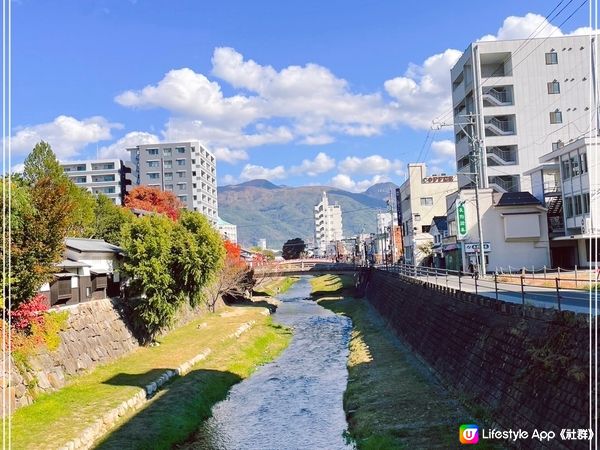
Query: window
x=153, y=175
x=586, y=202
x=168, y=164
x=105, y=166
x=181, y=162
x=153, y=163
x=558, y=144
x=182, y=186
x=577, y=205
x=417, y=217
x=426, y=201
x=554, y=87
x=583, y=162
x=425, y=228
x=574, y=166
x=103, y=178
x=168, y=187
x=180, y=150
x=556, y=117
x=183, y=198
x=551, y=58
x=167, y=151
x=168, y=176
x=153, y=151
x=181, y=174
x=80, y=168
x=566, y=169
x=79, y=179
x=568, y=207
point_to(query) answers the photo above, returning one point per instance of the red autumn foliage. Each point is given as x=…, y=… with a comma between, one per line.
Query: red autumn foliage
x=153, y=199
x=234, y=252
x=29, y=312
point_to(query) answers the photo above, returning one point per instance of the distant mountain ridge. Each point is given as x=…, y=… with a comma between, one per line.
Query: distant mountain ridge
x=262, y=209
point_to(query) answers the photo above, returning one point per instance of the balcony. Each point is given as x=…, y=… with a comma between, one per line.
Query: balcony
x=504, y=183
x=501, y=155
x=500, y=126
x=498, y=96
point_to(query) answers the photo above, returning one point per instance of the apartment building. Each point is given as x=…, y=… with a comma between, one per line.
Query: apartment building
x=187, y=169
x=525, y=99
x=106, y=176
x=227, y=230
x=419, y=199
x=328, y=225
x=573, y=202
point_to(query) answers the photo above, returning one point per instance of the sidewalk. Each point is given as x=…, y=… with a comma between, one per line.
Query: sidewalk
x=60, y=417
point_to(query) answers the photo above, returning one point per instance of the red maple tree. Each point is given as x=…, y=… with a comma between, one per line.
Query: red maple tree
x=153, y=199
x=234, y=252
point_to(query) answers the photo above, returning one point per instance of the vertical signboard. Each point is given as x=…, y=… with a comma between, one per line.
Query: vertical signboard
x=461, y=219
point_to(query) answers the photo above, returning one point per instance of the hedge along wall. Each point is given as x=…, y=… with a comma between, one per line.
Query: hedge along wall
x=526, y=367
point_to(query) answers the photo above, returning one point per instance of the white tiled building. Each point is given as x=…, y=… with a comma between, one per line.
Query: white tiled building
x=187, y=169
x=328, y=224
x=527, y=98
x=106, y=176
x=227, y=230
x=419, y=199
x=578, y=203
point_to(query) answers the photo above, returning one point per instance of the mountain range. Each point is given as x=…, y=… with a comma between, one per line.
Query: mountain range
x=261, y=209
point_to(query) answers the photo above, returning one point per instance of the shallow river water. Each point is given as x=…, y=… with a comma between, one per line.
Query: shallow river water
x=295, y=402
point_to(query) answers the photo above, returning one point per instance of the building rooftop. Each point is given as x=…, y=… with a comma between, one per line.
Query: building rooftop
x=91, y=245
x=440, y=223
x=517, y=199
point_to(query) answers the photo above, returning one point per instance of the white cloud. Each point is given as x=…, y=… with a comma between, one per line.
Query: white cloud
x=251, y=172
x=343, y=181
x=131, y=139
x=18, y=168
x=521, y=27
x=228, y=179
x=322, y=163
x=444, y=148
x=423, y=93
x=321, y=139
x=65, y=134
x=223, y=154
x=371, y=165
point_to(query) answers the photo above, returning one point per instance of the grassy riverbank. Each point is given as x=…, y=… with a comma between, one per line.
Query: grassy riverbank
x=178, y=409
x=391, y=401
x=274, y=286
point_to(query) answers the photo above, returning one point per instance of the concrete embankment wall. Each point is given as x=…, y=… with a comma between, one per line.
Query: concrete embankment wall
x=96, y=333
x=522, y=367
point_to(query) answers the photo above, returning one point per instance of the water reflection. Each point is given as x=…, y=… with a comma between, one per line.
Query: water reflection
x=294, y=402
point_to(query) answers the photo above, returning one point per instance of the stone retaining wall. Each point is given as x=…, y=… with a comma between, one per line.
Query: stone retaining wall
x=526, y=367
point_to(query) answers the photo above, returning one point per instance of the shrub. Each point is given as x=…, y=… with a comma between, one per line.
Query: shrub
x=30, y=313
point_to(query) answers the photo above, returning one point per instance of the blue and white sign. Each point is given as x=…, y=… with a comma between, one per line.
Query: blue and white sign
x=473, y=247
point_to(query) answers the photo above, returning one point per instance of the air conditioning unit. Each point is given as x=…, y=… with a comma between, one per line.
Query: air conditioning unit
x=586, y=226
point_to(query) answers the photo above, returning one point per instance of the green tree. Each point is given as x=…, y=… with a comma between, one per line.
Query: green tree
x=109, y=219
x=293, y=248
x=82, y=217
x=42, y=163
x=151, y=291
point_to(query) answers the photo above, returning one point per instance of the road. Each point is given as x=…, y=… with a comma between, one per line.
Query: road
x=570, y=299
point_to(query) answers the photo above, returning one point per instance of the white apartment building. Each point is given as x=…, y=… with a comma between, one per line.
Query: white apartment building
x=384, y=233
x=419, y=199
x=526, y=99
x=227, y=230
x=187, y=169
x=328, y=225
x=576, y=201
x=106, y=176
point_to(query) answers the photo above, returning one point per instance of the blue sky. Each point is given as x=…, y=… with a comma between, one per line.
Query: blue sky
x=337, y=93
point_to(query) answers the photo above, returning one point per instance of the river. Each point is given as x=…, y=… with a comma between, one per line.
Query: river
x=294, y=402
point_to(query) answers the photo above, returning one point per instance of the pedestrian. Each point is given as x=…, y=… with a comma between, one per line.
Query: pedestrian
x=472, y=270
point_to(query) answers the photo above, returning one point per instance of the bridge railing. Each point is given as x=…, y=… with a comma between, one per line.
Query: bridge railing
x=545, y=292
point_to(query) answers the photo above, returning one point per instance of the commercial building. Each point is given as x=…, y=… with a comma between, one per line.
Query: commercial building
x=515, y=231
x=573, y=209
x=388, y=249
x=328, y=226
x=187, y=169
x=227, y=230
x=525, y=98
x=106, y=176
x=419, y=199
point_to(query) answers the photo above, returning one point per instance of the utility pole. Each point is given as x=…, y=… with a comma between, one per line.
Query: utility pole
x=392, y=243
x=475, y=156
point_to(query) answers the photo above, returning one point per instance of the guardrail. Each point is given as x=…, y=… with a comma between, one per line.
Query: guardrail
x=554, y=292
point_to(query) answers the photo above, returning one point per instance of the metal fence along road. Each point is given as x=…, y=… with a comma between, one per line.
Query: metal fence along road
x=524, y=290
